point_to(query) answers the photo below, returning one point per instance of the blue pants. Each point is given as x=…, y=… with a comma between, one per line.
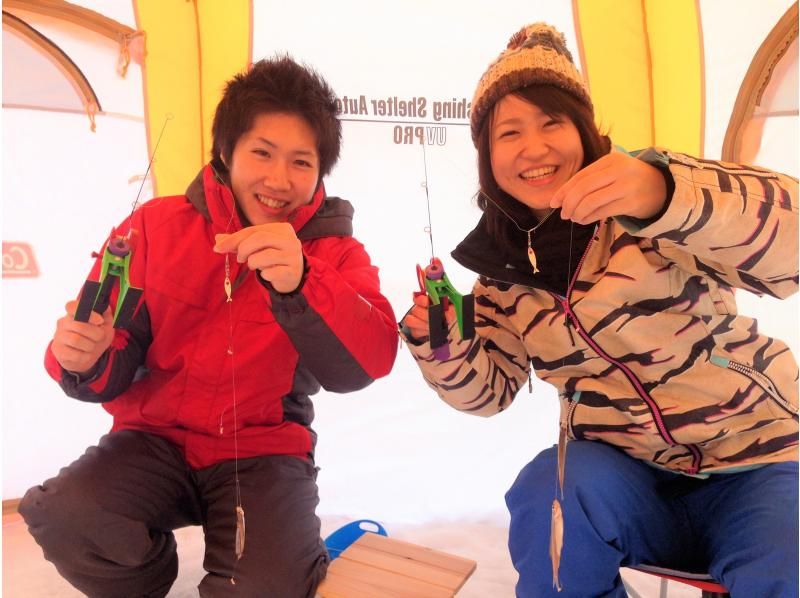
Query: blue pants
x=618, y=511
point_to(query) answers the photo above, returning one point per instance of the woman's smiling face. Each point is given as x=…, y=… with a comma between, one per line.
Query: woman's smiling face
x=532, y=153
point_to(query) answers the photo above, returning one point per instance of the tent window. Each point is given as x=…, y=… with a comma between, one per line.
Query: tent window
x=91, y=20
x=767, y=99
x=38, y=54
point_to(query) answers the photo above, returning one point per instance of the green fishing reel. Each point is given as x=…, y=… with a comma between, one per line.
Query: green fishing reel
x=434, y=282
x=114, y=269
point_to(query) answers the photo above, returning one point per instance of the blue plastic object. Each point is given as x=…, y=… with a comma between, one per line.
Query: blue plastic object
x=347, y=534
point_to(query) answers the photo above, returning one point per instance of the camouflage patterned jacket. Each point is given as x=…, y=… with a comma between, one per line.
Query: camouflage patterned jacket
x=646, y=349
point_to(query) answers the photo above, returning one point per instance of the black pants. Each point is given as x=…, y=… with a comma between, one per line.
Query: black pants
x=106, y=521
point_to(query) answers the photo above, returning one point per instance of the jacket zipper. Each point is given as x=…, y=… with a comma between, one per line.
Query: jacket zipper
x=567, y=323
x=570, y=414
x=759, y=378
x=637, y=385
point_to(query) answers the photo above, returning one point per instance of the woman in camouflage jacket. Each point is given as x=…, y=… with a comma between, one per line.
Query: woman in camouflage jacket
x=612, y=277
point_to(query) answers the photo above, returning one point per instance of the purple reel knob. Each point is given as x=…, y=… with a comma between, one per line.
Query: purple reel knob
x=434, y=272
x=119, y=247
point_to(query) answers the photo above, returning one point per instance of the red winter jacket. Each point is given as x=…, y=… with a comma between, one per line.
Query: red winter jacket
x=170, y=372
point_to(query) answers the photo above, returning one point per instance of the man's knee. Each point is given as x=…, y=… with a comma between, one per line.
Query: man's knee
x=56, y=515
x=62, y=517
x=279, y=578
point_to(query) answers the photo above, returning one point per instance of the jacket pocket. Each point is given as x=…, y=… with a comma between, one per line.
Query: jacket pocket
x=172, y=290
x=722, y=298
x=761, y=379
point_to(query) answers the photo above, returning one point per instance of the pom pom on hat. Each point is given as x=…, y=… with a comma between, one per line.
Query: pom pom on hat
x=536, y=54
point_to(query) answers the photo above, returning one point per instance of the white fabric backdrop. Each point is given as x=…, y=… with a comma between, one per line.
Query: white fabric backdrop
x=393, y=451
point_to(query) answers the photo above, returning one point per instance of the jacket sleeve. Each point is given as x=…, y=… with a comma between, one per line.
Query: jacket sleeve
x=482, y=375
x=116, y=368
x=341, y=325
x=737, y=225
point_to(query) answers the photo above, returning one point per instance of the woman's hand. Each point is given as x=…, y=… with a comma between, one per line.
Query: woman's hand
x=78, y=345
x=416, y=320
x=615, y=185
x=273, y=249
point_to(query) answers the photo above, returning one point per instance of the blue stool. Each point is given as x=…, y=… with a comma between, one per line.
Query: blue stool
x=347, y=534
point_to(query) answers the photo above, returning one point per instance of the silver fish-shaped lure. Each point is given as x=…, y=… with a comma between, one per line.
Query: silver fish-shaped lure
x=228, y=285
x=532, y=259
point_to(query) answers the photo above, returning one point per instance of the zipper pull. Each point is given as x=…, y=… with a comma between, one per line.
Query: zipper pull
x=568, y=319
x=568, y=324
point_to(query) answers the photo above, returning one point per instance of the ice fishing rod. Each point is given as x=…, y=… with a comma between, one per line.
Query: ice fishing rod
x=115, y=268
x=434, y=283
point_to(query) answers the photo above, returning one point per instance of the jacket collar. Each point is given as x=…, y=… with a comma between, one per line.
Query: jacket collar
x=210, y=194
x=480, y=253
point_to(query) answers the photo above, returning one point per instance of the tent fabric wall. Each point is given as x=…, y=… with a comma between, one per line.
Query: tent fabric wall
x=63, y=188
x=393, y=451
x=643, y=66
x=192, y=49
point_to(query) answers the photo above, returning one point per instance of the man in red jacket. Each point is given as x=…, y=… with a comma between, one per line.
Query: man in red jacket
x=255, y=294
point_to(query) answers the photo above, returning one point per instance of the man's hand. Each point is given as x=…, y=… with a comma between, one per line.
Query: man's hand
x=615, y=185
x=78, y=345
x=273, y=249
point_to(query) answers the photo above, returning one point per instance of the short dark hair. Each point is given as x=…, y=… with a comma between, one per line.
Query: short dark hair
x=554, y=102
x=277, y=84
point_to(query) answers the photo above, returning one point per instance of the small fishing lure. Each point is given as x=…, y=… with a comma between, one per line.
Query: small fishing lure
x=556, y=541
x=556, y=515
x=531, y=254
x=240, y=530
x=532, y=259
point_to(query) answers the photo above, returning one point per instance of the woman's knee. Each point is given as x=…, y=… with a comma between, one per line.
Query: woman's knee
x=529, y=503
x=593, y=497
x=534, y=480
x=588, y=465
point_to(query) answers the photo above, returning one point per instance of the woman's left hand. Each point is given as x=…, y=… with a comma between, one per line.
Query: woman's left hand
x=273, y=249
x=615, y=185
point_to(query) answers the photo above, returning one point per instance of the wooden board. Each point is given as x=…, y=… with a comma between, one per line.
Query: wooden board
x=375, y=566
